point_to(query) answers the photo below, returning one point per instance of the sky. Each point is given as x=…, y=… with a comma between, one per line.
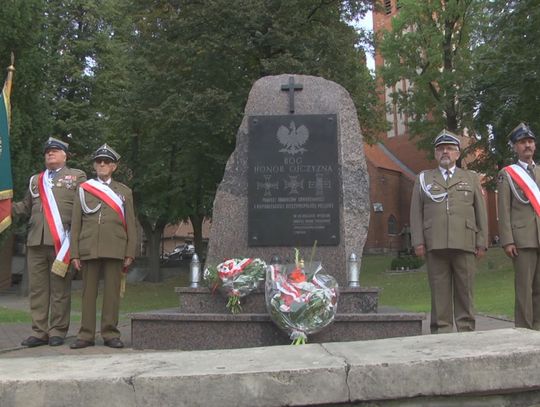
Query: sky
x=367, y=23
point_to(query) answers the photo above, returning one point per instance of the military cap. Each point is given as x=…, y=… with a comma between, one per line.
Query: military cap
x=54, y=143
x=106, y=152
x=446, y=137
x=520, y=132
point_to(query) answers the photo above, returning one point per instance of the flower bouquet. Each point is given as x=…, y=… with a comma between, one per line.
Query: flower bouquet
x=300, y=298
x=235, y=278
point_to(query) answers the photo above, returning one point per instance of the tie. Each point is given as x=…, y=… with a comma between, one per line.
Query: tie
x=530, y=168
x=448, y=175
x=51, y=175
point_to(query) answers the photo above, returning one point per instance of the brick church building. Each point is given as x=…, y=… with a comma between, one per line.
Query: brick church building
x=393, y=164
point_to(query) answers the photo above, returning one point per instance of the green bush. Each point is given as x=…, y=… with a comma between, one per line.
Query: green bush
x=406, y=262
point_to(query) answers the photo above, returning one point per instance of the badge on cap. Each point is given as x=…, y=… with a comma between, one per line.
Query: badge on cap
x=520, y=132
x=446, y=137
x=106, y=151
x=54, y=143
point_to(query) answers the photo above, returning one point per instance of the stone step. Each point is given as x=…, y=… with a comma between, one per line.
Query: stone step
x=171, y=329
x=352, y=300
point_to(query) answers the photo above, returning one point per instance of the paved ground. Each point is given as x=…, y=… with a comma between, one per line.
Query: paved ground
x=11, y=335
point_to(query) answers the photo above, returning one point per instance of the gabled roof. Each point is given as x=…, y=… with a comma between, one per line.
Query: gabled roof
x=381, y=157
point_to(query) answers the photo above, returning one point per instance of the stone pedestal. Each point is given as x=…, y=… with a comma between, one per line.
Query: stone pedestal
x=203, y=322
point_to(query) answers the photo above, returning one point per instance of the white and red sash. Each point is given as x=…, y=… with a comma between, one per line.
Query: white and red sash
x=106, y=194
x=54, y=220
x=526, y=183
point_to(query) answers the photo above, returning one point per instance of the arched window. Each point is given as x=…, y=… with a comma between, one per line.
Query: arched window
x=392, y=225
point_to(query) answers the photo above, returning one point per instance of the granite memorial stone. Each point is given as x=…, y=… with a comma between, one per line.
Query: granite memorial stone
x=297, y=175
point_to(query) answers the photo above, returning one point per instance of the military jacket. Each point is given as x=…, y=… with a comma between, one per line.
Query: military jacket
x=518, y=223
x=65, y=183
x=102, y=234
x=459, y=221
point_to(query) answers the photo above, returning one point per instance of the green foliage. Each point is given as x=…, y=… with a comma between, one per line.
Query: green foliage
x=429, y=46
x=406, y=262
x=183, y=73
x=20, y=33
x=165, y=83
x=471, y=67
x=506, y=70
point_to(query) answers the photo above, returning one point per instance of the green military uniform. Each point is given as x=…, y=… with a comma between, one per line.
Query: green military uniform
x=101, y=242
x=519, y=225
x=48, y=290
x=451, y=227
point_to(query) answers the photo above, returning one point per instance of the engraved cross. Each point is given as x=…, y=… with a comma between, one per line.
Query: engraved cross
x=291, y=87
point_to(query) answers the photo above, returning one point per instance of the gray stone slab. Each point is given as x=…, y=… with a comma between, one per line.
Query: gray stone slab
x=491, y=368
x=202, y=300
x=248, y=377
x=496, y=362
x=170, y=329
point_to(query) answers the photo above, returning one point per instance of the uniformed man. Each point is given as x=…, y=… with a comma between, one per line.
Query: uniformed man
x=103, y=239
x=519, y=225
x=49, y=202
x=449, y=227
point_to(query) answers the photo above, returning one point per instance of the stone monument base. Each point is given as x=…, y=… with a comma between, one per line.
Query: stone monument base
x=203, y=322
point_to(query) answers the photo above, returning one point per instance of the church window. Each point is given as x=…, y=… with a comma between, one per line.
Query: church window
x=392, y=225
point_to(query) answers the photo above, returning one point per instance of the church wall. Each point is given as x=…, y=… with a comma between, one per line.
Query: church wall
x=390, y=199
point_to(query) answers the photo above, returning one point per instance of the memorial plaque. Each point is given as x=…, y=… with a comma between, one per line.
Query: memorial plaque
x=293, y=180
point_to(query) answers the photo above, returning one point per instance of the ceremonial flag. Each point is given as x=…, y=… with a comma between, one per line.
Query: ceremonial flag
x=6, y=181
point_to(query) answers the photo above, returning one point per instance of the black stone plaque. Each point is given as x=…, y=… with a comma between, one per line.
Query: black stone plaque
x=293, y=180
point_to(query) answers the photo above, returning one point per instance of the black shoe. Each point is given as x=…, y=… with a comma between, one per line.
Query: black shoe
x=80, y=343
x=56, y=341
x=114, y=343
x=32, y=342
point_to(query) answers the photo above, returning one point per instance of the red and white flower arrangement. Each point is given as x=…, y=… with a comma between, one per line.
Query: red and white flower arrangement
x=301, y=301
x=235, y=278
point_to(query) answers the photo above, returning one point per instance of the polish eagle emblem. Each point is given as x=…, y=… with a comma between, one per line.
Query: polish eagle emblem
x=293, y=138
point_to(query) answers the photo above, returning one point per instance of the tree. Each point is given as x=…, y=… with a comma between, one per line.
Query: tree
x=506, y=85
x=29, y=112
x=76, y=32
x=183, y=71
x=430, y=46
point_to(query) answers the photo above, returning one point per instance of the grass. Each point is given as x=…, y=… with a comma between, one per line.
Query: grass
x=8, y=315
x=494, y=290
x=494, y=285
x=140, y=297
